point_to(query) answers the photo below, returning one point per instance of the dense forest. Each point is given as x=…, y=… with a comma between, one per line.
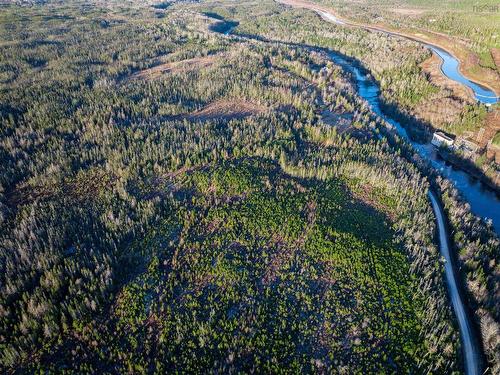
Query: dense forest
x=172, y=198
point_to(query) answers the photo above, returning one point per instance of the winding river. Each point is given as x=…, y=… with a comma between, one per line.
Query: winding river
x=450, y=67
x=483, y=201
x=480, y=198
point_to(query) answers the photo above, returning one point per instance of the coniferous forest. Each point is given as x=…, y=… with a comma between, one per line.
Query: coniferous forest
x=177, y=200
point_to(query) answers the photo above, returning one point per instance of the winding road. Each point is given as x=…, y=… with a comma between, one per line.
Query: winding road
x=369, y=91
x=484, y=201
x=469, y=347
x=450, y=65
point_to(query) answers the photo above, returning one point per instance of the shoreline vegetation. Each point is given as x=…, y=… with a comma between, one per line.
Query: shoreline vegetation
x=440, y=40
x=424, y=129
x=481, y=321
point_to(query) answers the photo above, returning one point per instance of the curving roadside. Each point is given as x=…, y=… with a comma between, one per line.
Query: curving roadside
x=471, y=351
x=484, y=201
x=469, y=347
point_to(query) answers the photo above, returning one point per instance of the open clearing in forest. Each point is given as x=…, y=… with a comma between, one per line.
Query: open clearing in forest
x=491, y=129
x=342, y=122
x=408, y=11
x=175, y=66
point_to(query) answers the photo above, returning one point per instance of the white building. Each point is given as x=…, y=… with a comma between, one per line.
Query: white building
x=439, y=139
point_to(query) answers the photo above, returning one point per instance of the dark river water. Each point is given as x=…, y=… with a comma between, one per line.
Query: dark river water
x=484, y=201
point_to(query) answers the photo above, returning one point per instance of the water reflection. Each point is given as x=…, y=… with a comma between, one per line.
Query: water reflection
x=450, y=68
x=483, y=201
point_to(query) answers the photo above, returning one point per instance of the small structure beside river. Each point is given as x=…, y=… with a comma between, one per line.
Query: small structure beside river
x=468, y=147
x=439, y=139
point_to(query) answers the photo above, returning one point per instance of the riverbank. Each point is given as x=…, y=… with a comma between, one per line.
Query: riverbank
x=469, y=167
x=459, y=198
x=432, y=68
x=468, y=62
x=421, y=132
x=443, y=69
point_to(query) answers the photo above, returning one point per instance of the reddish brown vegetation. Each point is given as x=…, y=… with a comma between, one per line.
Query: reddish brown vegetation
x=175, y=66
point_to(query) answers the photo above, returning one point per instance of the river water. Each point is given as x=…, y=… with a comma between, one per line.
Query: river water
x=450, y=68
x=483, y=201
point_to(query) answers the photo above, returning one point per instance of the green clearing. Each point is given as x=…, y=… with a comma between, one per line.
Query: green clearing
x=265, y=273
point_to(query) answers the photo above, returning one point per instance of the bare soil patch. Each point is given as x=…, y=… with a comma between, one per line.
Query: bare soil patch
x=408, y=11
x=440, y=111
x=175, y=66
x=492, y=127
x=85, y=188
x=342, y=121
